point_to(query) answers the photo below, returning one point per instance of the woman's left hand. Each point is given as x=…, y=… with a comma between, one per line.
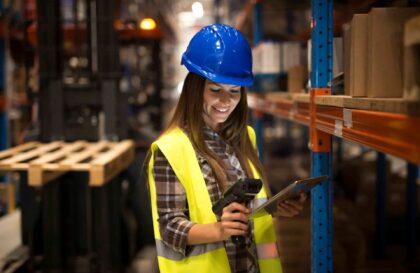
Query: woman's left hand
x=291, y=207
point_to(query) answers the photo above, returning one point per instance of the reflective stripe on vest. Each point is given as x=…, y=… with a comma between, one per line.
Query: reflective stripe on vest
x=267, y=251
x=209, y=257
x=164, y=251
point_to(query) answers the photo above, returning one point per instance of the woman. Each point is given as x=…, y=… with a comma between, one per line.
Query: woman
x=206, y=148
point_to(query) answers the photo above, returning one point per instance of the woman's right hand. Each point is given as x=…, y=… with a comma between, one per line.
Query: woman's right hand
x=233, y=220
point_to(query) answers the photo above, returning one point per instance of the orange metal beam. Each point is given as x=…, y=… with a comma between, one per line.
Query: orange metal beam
x=280, y=108
x=302, y=113
x=319, y=140
x=298, y=112
x=394, y=134
x=391, y=133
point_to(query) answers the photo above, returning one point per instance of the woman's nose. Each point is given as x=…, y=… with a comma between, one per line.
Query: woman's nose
x=224, y=97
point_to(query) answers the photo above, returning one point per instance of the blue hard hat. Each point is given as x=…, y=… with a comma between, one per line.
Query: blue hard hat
x=221, y=54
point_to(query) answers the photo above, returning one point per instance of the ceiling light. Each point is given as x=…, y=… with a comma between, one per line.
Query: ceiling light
x=197, y=9
x=147, y=24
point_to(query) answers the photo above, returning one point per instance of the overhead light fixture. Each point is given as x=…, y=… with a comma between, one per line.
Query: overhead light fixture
x=197, y=9
x=147, y=24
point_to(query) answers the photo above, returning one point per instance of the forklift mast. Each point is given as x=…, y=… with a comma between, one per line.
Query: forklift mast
x=79, y=71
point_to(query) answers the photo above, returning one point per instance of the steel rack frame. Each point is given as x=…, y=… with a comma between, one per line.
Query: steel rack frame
x=385, y=132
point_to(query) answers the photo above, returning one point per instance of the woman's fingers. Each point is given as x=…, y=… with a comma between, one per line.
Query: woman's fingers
x=234, y=216
x=292, y=207
x=236, y=207
x=229, y=228
x=235, y=212
x=234, y=220
x=235, y=226
x=287, y=210
x=302, y=197
x=293, y=204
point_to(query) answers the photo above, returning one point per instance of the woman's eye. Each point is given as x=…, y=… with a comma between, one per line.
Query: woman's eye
x=214, y=90
x=235, y=90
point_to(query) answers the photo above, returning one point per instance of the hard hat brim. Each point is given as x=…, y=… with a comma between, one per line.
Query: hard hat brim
x=248, y=81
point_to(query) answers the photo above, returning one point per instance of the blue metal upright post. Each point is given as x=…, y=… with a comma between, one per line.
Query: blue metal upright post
x=412, y=175
x=258, y=22
x=258, y=116
x=320, y=142
x=381, y=180
x=3, y=114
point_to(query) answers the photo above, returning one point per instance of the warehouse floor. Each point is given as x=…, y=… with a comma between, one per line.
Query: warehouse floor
x=10, y=233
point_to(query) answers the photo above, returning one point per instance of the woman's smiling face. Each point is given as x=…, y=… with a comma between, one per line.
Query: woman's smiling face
x=219, y=101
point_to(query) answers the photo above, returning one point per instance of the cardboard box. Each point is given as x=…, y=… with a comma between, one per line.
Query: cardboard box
x=385, y=50
x=358, y=55
x=346, y=57
x=296, y=79
x=412, y=59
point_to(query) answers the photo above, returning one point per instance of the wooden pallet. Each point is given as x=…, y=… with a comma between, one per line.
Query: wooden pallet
x=47, y=161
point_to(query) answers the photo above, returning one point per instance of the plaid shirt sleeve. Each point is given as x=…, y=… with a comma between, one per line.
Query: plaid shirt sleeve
x=172, y=206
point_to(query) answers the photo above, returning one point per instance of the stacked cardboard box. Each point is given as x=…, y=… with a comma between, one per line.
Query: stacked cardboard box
x=358, y=55
x=346, y=57
x=385, y=51
x=296, y=79
x=374, y=60
x=412, y=59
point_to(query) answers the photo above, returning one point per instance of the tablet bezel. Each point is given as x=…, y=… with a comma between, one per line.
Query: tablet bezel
x=291, y=191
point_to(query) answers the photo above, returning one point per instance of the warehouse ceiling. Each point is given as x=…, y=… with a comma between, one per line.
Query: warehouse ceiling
x=169, y=13
x=281, y=19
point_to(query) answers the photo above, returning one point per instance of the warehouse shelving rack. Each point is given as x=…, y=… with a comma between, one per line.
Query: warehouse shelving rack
x=258, y=121
x=3, y=114
x=328, y=115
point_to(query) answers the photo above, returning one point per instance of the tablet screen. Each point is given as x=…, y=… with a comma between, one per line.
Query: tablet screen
x=291, y=191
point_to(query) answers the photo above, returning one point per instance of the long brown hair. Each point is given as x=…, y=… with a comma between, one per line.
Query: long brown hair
x=188, y=114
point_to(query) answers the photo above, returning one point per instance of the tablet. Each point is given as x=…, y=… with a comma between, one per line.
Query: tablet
x=291, y=191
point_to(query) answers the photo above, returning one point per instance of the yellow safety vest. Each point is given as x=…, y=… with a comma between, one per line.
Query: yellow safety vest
x=212, y=257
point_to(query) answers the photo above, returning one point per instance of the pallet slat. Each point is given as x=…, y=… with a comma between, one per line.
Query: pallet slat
x=107, y=165
x=64, y=151
x=39, y=175
x=17, y=149
x=33, y=153
x=89, y=152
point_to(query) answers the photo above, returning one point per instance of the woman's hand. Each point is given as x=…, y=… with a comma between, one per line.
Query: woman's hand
x=233, y=220
x=291, y=207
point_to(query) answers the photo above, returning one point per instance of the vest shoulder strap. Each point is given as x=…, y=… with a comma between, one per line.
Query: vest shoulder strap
x=252, y=135
x=178, y=150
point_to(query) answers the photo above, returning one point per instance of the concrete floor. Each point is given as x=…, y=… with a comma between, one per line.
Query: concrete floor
x=10, y=238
